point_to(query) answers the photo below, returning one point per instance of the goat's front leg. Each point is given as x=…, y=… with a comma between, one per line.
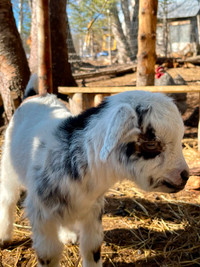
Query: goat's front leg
x=45, y=235
x=91, y=236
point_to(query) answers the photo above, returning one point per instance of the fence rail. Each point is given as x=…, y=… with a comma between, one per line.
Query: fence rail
x=118, y=89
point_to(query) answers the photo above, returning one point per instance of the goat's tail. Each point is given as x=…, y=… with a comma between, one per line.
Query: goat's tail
x=32, y=86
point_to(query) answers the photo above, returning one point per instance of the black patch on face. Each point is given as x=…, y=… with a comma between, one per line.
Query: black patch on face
x=150, y=133
x=127, y=151
x=141, y=113
x=147, y=147
x=151, y=180
x=146, y=154
x=97, y=255
x=130, y=149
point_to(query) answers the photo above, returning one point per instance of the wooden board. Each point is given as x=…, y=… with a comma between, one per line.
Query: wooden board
x=114, y=90
x=113, y=71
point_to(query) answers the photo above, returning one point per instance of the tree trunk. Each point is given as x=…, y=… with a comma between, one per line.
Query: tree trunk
x=20, y=26
x=33, y=60
x=72, y=55
x=14, y=70
x=124, y=51
x=127, y=20
x=62, y=74
x=165, y=30
x=61, y=69
x=134, y=29
x=146, y=42
x=44, y=48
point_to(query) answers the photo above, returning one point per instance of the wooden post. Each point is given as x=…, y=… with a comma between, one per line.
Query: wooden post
x=44, y=48
x=198, y=135
x=79, y=102
x=147, y=42
x=98, y=98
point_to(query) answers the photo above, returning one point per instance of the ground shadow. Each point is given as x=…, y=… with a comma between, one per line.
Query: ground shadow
x=169, y=247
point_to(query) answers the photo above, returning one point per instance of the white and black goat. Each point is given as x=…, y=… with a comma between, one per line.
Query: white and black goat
x=67, y=163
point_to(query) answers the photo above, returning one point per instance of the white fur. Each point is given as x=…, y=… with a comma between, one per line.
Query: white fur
x=31, y=143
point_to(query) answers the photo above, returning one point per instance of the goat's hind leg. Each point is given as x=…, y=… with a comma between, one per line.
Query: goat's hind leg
x=9, y=195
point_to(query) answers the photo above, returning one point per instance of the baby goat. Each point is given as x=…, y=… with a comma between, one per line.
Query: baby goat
x=67, y=163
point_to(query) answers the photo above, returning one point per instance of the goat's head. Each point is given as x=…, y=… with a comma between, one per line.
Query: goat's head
x=143, y=142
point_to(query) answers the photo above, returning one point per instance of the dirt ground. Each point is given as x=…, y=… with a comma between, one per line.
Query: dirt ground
x=141, y=229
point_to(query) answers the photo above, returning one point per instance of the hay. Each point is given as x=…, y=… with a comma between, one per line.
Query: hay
x=141, y=229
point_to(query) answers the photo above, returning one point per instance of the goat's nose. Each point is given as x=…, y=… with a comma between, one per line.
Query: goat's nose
x=185, y=175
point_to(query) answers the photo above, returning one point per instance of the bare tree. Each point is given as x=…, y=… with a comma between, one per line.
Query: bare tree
x=124, y=51
x=33, y=60
x=134, y=27
x=62, y=74
x=72, y=54
x=20, y=27
x=126, y=36
x=14, y=70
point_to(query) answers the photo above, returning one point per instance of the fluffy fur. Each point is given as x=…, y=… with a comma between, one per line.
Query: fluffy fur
x=68, y=162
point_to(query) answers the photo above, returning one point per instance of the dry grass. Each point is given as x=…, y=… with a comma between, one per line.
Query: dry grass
x=141, y=229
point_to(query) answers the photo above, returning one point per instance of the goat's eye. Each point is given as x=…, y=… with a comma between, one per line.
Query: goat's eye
x=151, y=145
x=150, y=149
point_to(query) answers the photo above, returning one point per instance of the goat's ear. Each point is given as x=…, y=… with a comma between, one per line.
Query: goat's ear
x=123, y=123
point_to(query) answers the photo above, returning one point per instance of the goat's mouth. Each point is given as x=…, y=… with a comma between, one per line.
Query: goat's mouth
x=173, y=187
x=170, y=187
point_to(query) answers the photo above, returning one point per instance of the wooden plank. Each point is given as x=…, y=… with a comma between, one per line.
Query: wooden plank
x=193, y=60
x=113, y=71
x=114, y=90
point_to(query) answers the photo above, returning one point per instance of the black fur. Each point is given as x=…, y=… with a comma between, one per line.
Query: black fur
x=49, y=180
x=44, y=262
x=97, y=255
x=148, y=154
x=50, y=194
x=151, y=181
x=75, y=160
x=31, y=92
x=141, y=113
x=150, y=133
x=80, y=122
x=139, y=149
x=130, y=149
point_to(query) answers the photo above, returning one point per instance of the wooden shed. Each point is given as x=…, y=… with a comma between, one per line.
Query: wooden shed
x=178, y=28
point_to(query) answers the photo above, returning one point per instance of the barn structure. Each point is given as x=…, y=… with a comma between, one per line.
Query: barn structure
x=178, y=28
